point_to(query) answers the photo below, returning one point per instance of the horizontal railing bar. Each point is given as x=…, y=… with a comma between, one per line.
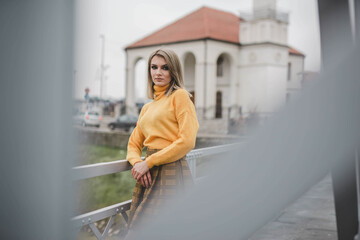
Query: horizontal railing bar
x=97, y=215
x=205, y=152
x=100, y=169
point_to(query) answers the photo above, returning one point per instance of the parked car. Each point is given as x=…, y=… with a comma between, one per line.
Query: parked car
x=90, y=118
x=126, y=122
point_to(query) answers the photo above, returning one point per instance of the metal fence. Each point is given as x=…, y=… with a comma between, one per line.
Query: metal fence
x=100, y=169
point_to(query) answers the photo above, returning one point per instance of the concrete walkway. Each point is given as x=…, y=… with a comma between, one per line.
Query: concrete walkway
x=311, y=217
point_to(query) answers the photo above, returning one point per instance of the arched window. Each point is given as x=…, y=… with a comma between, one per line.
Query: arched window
x=220, y=66
x=289, y=72
x=218, y=110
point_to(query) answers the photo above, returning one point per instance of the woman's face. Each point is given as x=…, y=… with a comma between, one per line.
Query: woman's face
x=159, y=70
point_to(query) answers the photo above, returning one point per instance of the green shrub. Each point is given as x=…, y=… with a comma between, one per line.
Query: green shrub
x=99, y=192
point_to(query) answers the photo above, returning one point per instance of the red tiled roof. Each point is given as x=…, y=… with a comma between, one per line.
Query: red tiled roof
x=296, y=52
x=203, y=23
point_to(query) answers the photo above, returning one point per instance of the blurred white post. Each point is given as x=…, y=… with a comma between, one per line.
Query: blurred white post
x=335, y=48
x=36, y=127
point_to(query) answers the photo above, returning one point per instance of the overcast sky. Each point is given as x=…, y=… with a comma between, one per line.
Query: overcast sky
x=125, y=21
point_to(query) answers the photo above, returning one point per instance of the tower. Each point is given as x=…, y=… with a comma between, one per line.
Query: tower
x=263, y=58
x=264, y=4
x=265, y=25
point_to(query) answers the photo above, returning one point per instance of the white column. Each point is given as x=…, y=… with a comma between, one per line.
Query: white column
x=210, y=94
x=244, y=88
x=130, y=91
x=233, y=90
x=199, y=88
x=239, y=92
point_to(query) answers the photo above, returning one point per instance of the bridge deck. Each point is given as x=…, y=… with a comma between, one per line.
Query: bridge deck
x=312, y=216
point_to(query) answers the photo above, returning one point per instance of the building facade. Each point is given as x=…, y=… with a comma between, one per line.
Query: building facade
x=234, y=66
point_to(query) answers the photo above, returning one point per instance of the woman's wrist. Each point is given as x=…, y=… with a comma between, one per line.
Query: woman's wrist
x=137, y=162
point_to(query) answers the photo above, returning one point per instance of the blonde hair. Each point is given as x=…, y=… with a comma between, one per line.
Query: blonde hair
x=174, y=65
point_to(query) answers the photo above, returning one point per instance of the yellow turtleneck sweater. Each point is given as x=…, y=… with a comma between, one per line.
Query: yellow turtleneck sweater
x=168, y=123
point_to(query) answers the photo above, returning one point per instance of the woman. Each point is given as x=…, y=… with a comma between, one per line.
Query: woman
x=167, y=126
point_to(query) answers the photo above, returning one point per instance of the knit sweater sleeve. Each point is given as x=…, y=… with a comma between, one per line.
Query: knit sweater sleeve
x=136, y=142
x=188, y=126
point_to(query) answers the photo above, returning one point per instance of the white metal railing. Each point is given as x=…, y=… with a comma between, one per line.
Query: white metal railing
x=100, y=169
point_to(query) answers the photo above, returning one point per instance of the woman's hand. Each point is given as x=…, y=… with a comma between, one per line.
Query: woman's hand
x=139, y=169
x=145, y=180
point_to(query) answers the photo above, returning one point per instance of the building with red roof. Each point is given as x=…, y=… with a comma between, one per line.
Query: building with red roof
x=204, y=23
x=232, y=65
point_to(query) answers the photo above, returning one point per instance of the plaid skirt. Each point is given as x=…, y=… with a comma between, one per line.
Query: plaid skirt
x=168, y=181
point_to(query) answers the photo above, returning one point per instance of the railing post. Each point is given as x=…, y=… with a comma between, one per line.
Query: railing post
x=192, y=166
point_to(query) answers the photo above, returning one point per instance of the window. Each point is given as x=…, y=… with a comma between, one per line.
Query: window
x=289, y=72
x=218, y=109
x=220, y=66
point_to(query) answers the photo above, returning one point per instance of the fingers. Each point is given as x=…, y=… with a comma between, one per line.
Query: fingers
x=145, y=180
x=139, y=170
x=142, y=182
x=138, y=175
x=132, y=172
x=135, y=174
x=149, y=177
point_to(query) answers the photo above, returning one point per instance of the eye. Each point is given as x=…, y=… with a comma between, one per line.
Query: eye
x=153, y=67
x=165, y=67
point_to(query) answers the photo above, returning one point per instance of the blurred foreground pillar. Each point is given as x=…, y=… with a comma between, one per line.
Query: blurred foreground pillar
x=336, y=43
x=36, y=137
